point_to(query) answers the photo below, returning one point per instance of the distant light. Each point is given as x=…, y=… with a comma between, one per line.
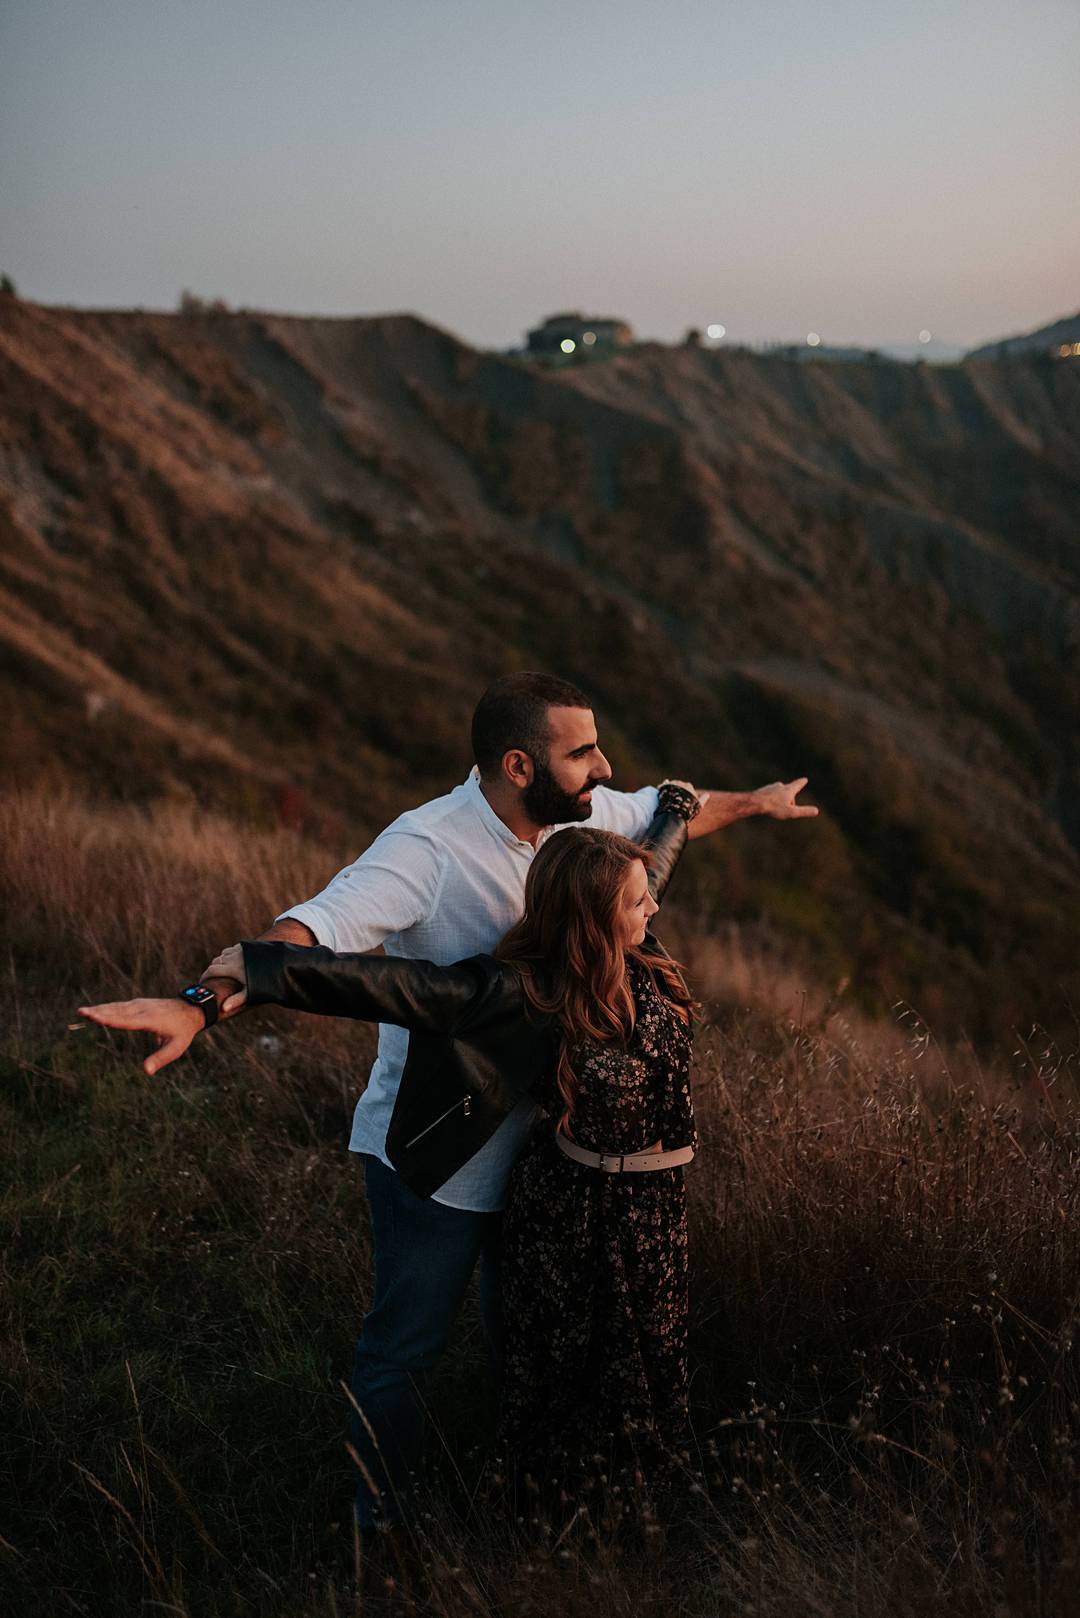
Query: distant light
x=716, y=332
x=587, y=337
x=924, y=336
x=813, y=339
x=568, y=345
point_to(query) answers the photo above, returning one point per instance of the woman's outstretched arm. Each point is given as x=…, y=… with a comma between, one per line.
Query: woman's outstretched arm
x=414, y=994
x=417, y=995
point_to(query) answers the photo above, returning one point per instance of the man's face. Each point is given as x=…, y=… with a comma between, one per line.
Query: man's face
x=561, y=787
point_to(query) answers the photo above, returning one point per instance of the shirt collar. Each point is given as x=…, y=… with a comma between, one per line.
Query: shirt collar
x=489, y=817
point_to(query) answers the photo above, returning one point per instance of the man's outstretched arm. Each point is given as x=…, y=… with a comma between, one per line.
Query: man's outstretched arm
x=174, y=1022
x=777, y=800
x=388, y=889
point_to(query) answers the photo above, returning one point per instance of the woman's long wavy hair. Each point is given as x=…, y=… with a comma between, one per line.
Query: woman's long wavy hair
x=572, y=964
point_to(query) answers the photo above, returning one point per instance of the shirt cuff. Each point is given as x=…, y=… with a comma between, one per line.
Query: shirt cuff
x=314, y=916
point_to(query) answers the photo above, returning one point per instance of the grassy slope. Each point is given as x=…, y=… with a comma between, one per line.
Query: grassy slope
x=884, y=1307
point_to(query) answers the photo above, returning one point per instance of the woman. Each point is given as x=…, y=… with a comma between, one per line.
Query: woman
x=586, y=1009
x=595, y=1255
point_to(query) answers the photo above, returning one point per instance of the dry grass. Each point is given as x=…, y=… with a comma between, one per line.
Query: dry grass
x=885, y=1290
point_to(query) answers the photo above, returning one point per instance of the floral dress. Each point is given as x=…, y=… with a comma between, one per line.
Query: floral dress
x=595, y=1268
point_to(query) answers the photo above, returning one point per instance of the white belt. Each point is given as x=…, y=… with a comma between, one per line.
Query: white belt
x=621, y=1163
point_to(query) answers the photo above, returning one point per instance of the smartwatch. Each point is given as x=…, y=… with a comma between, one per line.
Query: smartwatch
x=199, y=994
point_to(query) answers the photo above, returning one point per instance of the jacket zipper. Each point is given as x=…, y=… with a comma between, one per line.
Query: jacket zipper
x=465, y=1103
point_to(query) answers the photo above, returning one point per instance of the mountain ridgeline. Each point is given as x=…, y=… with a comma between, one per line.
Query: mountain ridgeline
x=266, y=564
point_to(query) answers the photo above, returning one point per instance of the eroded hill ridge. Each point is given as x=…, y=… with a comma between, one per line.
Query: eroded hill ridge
x=268, y=561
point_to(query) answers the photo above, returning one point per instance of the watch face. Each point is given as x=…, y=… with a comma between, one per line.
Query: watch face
x=199, y=995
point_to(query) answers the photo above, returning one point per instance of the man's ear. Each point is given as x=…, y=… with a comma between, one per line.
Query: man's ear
x=518, y=768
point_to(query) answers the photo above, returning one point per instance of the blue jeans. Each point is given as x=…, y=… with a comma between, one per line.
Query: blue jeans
x=425, y=1254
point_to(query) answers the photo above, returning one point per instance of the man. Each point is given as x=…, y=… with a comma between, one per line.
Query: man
x=443, y=882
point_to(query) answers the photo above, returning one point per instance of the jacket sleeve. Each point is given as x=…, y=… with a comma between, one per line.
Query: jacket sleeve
x=413, y=994
x=666, y=838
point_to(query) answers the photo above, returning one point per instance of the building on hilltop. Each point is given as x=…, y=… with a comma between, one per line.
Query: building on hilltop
x=577, y=334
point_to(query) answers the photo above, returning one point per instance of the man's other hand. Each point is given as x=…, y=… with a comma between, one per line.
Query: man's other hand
x=173, y=1023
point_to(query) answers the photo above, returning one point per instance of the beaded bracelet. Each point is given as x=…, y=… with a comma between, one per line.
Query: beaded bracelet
x=680, y=799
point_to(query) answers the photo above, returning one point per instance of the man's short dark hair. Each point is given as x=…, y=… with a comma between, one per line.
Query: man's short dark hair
x=513, y=713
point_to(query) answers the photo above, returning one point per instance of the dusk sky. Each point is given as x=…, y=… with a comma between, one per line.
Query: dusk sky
x=860, y=169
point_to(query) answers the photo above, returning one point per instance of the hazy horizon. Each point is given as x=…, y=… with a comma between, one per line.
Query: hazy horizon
x=857, y=173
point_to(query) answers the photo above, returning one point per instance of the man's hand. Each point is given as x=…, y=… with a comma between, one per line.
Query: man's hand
x=174, y=1022
x=777, y=800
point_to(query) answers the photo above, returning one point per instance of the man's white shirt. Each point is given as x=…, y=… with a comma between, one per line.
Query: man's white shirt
x=443, y=882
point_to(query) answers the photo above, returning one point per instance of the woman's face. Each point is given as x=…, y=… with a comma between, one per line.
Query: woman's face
x=636, y=906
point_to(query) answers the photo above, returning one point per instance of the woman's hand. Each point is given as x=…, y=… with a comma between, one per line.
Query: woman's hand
x=229, y=964
x=173, y=1022
x=702, y=797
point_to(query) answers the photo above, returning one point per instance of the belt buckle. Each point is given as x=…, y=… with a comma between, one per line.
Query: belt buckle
x=611, y=1162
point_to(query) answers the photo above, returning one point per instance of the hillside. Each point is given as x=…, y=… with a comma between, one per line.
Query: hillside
x=1045, y=339
x=268, y=562
x=884, y=1253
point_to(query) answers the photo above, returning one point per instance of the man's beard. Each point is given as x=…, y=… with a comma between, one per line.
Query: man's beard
x=548, y=804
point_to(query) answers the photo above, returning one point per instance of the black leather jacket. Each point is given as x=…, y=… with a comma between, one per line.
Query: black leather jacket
x=475, y=1046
